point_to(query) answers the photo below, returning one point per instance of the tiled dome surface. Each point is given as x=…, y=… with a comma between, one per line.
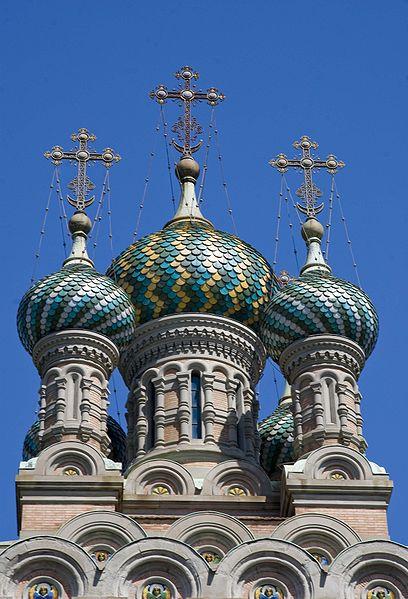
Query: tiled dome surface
x=276, y=434
x=31, y=446
x=75, y=297
x=317, y=303
x=189, y=267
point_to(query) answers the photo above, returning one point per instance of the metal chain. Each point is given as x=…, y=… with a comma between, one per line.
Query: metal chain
x=278, y=221
x=346, y=231
x=200, y=198
x=63, y=215
x=166, y=144
x=42, y=230
x=94, y=234
x=288, y=213
x=329, y=222
x=223, y=181
x=146, y=181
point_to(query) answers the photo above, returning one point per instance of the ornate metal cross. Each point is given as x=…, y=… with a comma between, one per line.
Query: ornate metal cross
x=308, y=190
x=82, y=185
x=187, y=128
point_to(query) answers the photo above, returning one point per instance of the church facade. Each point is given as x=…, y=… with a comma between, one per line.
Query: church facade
x=198, y=499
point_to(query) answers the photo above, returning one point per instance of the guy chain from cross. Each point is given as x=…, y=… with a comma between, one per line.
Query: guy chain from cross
x=82, y=185
x=308, y=190
x=187, y=127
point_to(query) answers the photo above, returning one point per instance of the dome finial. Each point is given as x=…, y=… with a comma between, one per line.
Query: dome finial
x=80, y=224
x=187, y=128
x=312, y=230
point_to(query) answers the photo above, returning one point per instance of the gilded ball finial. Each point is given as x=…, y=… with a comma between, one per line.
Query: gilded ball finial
x=187, y=169
x=79, y=223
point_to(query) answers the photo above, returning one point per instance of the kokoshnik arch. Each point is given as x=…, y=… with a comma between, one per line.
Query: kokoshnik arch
x=198, y=499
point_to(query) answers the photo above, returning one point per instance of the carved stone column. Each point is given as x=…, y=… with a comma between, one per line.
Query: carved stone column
x=141, y=421
x=159, y=411
x=75, y=367
x=323, y=371
x=208, y=410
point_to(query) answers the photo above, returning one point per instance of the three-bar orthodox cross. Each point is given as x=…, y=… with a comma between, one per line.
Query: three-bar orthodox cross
x=82, y=185
x=187, y=128
x=308, y=190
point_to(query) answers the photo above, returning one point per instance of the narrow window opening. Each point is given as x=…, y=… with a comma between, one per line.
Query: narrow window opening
x=195, y=406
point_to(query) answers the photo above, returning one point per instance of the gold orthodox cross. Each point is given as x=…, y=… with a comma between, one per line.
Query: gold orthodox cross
x=187, y=128
x=82, y=185
x=308, y=190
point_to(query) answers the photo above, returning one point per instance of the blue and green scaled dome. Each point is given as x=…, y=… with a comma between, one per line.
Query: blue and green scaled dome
x=188, y=266
x=116, y=434
x=75, y=297
x=315, y=303
x=276, y=436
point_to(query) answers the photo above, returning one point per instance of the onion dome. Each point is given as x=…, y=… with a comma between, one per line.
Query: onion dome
x=116, y=434
x=276, y=435
x=76, y=297
x=317, y=302
x=188, y=266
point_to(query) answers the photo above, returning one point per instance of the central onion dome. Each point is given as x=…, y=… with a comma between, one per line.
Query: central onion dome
x=76, y=297
x=188, y=266
x=317, y=302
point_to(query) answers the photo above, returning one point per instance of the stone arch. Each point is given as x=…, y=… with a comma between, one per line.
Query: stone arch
x=169, y=367
x=369, y=563
x=239, y=473
x=317, y=531
x=112, y=529
x=324, y=460
x=51, y=375
x=49, y=558
x=258, y=561
x=148, y=375
x=210, y=528
x=155, y=557
x=81, y=456
x=142, y=477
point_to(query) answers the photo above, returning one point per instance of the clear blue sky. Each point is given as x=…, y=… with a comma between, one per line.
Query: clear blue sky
x=334, y=70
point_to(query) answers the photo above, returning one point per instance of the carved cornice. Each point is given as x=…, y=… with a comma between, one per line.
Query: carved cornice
x=321, y=350
x=76, y=346
x=193, y=335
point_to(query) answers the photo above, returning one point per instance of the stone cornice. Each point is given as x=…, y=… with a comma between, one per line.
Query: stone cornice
x=193, y=335
x=77, y=346
x=320, y=351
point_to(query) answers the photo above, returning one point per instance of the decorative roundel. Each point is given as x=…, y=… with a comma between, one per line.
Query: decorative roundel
x=317, y=303
x=116, y=434
x=276, y=434
x=190, y=267
x=75, y=297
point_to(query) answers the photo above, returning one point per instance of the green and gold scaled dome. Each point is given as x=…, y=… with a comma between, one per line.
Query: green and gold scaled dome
x=190, y=267
x=316, y=303
x=75, y=297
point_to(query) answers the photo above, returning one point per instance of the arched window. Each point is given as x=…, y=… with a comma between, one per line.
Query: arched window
x=151, y=407
x=195, y=405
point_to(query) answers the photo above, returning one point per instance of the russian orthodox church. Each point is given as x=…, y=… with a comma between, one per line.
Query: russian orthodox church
x=199, y=499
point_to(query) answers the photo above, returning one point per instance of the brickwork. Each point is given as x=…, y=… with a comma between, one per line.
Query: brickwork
x=368, y=523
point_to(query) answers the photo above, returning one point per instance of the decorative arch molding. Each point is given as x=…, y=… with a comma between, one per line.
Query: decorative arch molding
x=255, y=562
x=324, y=460
x=47, y=557
x=317, y=530
x=165, y=559
x=206, y=528
x=111, y=528
x=141, y=478
x=366, y=563
x=71, y=454
x=237, y=473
